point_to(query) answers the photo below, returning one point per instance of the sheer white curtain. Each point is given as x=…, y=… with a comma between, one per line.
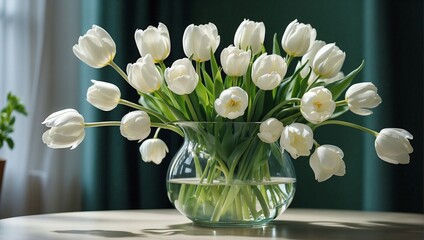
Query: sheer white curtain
x=37, y=64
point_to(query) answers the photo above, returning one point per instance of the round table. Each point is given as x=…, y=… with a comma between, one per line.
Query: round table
x=168, y=223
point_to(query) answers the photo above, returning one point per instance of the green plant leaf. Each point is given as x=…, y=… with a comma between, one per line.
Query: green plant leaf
x=275, y=45
x=10, y=143
x=338, y=87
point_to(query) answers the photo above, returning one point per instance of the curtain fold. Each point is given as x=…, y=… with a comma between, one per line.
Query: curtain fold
x=35, y=65
x=393, y=37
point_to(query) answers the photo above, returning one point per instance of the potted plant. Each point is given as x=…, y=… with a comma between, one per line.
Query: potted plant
x=7, y=121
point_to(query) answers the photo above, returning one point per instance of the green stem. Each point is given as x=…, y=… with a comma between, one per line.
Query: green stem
x=280, y=105
x=157, y=132
x=103, y=124
x=190, y=107
x=341, y=102
x=119, y=70
x=347, y=124
x=118, y=123
x=147, y=110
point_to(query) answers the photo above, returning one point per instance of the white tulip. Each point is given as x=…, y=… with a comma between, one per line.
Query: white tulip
x=362, y=96
x=66, y=129
x=297, y=38
x=144, y=76
x=232, y=103
x=317, y=105
x=270, y=130
x=96, y=48
x=326, y=161
x=199, y=42
x=153, y=41
x=153, y=150
x=104, y=96
x=308, y=58
x=181, y=77
x=251, y=35
x=135, y=125
x=235, y=61
x=297, y=139
x=392, y=145
x=328, y=61
x=268, y=71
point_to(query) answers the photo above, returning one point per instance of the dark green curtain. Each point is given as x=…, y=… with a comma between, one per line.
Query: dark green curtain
x=387, y=34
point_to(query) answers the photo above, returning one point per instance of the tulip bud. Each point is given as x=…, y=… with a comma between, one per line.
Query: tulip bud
x=232, y=103
x=392, y=145
x=309, y=57
x=135, y=125
x=317, y=105
x=326, y=161
x=199, y=42
x=250, y=34
x=104, y=96
x=96, y=48
x=143, y=75
x=66, y=129
x=235, y=61
x=154, y=41
x=153, y=150
x=181, y=77
x=362, y=96
x=297, y=38
x=270, y=130
x=328, y=61
x=268, y=71
x=297, y=139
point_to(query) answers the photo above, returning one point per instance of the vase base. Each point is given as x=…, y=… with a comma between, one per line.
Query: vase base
x=244, y=224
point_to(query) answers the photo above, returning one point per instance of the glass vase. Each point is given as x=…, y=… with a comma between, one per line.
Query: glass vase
x=225, y=176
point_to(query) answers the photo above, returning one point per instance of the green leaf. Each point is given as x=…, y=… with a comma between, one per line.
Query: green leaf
x=214, y=65
x=10, y=143
x=339, y=111
x=338, y=87
x=275, y=45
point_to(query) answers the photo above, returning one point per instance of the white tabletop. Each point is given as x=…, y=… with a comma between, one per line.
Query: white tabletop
x=166, y=223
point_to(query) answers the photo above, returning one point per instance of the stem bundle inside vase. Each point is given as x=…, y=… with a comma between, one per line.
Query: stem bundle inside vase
x=224, y=173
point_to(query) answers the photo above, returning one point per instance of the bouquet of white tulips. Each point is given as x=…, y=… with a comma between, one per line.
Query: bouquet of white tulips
x=249, y=85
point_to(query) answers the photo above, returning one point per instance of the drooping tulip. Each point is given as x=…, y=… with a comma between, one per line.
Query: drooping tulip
x=66, y=129
x=153, y=150
x=326, y=161
x=135, y=125
x=392, y=145
x=361, y=97
x=96, y=48
x=103, y=95
x=297, y=139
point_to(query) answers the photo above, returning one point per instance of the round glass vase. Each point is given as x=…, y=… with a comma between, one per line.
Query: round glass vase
x=225, y=176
